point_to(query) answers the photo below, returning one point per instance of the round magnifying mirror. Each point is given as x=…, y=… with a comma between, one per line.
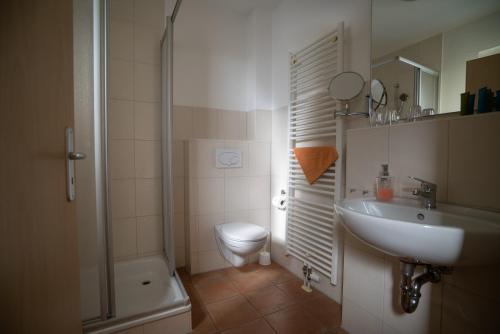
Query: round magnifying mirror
x=379, y=94
x=346, y=85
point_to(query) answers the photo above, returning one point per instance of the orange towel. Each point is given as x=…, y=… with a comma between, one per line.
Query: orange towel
x=315, y=160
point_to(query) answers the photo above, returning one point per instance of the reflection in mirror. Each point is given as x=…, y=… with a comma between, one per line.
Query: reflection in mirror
x=421, y=50
x=346, y=85
x=379, y=94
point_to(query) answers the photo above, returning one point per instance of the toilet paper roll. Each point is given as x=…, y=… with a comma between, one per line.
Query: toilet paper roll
x=279, y=202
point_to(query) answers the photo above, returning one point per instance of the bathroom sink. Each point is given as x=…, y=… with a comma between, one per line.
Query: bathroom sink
x=449, y=235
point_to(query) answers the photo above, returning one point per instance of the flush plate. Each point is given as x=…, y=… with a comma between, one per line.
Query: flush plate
x=228, y=158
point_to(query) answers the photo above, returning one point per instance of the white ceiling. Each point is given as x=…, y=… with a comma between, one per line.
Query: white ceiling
x=243, y=7
x=398, y=23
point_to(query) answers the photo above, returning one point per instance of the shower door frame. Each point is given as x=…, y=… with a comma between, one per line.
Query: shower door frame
x=167, y=79
x=166, y=143
x=99, y=52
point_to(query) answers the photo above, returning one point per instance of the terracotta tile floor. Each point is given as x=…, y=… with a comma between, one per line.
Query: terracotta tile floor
x=258, y=299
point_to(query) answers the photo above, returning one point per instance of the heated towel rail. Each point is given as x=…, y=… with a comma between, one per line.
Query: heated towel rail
x=310, y=235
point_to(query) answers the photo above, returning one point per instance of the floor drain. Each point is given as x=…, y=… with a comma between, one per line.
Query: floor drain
x=146, y=282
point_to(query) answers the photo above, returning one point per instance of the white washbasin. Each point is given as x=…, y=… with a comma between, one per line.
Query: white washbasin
x=449, y=235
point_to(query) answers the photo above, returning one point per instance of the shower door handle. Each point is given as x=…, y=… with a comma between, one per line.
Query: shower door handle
x=71, y=156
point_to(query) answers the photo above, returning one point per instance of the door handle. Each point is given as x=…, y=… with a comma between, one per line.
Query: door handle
x=76, y=155
x=71, y=157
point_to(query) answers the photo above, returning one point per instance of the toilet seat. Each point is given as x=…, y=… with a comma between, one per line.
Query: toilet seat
x=242, y=232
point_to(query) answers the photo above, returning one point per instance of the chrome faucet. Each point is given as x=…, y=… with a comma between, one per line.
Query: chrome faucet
x=426, y=192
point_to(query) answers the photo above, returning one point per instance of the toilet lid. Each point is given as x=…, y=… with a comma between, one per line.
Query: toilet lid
x=243, y=232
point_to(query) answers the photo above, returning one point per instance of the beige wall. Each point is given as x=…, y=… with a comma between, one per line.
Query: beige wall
x=135, y=31
x=461, y=155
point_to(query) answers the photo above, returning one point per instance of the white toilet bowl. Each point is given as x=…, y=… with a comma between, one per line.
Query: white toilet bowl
x=237, y=241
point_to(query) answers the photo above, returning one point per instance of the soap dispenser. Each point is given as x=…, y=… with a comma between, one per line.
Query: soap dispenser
x=384, y=187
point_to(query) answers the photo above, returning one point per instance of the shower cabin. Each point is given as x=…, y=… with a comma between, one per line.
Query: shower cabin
x=123, y=108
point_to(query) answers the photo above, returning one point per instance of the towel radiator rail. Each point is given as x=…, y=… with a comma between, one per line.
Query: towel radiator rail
x=311, y=235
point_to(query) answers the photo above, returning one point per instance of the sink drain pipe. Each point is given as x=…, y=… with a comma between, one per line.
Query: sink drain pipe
x=410, y=287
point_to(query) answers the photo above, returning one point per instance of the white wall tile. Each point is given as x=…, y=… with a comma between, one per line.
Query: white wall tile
x=178, y=158
x=206, y=231
x=236, y=216
x=202, y=158
x=147, y=121
x=237, y=194
x=232, y=124
x=124, y=237
x=147, y=159
x=387, y=329
x=148, y=197
x=121, y=39
x=121, y=119
x=260, y=217
x=192, y=197
x=192, y=230
x=259, y=192
x=122, y=9
x=367, y=149
x=193, y=263
x=121, y=159
x=179, y=230
x=149, y=234
x=356, y=320
x=210, y=196
x=180, y=256
x=474, y=177
x=352, y=241
x=206, y=123
x=210, y=260
x=122, y=198
x=420, y=150
x=279, y=143
x=251, y=118
x=147, y=44
x=465, y=312
x=476, y=279
x=178, y=183
x=121, y=79
x=364, y=280
x=182, y=122
x=146, y=82
x=263, y=125
x=149, y=12
x=260, y=158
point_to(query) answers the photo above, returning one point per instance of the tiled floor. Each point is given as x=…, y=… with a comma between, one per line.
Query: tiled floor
x=258, y=299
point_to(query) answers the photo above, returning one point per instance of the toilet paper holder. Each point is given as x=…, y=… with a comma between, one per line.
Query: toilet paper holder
x=280, y=201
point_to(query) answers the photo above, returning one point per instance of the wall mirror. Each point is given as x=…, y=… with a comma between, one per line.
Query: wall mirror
x=420, y=49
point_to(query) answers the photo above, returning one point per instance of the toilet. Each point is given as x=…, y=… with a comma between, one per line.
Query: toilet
x=236, y=241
